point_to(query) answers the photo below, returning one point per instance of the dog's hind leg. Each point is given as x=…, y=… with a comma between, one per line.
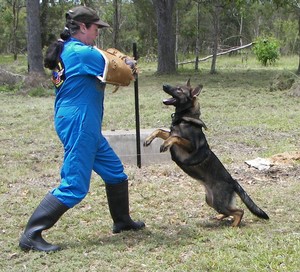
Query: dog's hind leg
x=237, y=217
x=209, y=200
x=159, y=133
x=225, y=209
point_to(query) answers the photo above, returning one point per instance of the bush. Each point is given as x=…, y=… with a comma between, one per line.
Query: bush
x=266, y=50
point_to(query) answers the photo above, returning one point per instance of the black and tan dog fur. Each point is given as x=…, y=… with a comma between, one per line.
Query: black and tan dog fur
x=190, y=151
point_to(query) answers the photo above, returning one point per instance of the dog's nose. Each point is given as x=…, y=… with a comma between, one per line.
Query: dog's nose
x=166, y=87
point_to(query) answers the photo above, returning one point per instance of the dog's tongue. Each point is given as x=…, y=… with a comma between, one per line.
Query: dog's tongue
x=169, y=101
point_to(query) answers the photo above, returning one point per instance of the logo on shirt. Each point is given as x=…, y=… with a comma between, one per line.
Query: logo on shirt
x=58, y=75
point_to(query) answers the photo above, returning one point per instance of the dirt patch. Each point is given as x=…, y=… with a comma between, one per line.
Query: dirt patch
x=286, y=158
x=283, y=167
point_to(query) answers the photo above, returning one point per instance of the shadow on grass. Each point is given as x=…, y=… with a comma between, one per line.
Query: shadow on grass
x=154, y=236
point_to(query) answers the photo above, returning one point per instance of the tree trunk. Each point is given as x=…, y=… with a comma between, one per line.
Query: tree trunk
x=15, y=27
x=298, y=71
x=165, y=35
x=44, y=22
x=241, y=31
x=216, y=25
x=176, y=38
x=116, y=25
x=34, y=44
x=16, y=6
x=198, y=38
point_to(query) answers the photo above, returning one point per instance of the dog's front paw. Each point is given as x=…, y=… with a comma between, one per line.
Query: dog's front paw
x=148, y=141
x=163, y=148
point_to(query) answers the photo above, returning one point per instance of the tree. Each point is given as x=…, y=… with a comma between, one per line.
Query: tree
x=298, y=71
x=34, y=42
x=16, y=6
x=197, y=51
x=297, y=10
x=295, y=5
x=165, y=35
x=216, y=13
x=116, y=26
x=136, y=22
x=146, y=28
x=223, y=13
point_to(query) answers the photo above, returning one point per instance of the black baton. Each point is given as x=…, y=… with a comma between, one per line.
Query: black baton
x=137, y=113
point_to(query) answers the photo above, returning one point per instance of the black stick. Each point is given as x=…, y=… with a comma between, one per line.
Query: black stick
x=137, y=113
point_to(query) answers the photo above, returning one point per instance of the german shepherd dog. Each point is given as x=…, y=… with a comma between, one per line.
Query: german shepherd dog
x=190, y=151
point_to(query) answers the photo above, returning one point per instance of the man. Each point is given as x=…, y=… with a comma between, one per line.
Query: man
x=77, y=67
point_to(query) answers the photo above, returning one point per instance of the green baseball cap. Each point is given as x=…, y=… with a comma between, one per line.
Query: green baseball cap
x=85, y=15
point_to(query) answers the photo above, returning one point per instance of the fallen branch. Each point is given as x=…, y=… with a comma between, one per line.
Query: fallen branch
x=218, y=54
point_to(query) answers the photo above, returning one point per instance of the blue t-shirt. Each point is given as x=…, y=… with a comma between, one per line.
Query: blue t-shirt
x=76, y=82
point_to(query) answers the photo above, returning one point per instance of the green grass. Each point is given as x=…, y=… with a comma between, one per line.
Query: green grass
x=245, y=121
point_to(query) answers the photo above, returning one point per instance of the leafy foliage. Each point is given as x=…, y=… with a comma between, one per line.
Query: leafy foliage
x=138, y=23
x=266, y=50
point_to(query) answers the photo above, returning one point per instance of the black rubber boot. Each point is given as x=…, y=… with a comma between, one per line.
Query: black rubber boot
x=44, y=217
x=118, y=202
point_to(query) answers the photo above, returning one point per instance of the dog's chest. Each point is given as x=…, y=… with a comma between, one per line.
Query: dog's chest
x=185, y=130
x=196, y=138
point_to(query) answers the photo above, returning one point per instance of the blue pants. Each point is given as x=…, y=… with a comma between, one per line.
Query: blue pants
x=85, y=150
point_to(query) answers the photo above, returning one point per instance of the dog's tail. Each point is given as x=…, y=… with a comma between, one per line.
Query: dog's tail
x=249, y=202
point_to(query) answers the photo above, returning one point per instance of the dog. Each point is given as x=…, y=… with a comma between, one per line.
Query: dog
x=190, y=151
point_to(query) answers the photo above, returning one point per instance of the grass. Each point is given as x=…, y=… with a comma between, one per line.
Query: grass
x=245, y=120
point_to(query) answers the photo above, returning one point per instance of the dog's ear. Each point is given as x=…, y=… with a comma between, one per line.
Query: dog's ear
x=188, y=83
x=197, y=90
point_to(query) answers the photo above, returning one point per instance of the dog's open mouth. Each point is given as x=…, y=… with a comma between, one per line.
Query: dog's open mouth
x=169, y=101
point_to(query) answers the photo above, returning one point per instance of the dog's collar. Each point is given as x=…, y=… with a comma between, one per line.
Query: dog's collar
x=177, y=117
